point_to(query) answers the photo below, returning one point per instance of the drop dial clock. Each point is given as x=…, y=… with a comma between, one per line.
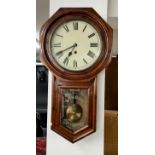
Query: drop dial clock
x=75, y=47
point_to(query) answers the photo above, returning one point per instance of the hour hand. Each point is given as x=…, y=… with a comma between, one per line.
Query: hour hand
x=69, y=54
x=61, y=52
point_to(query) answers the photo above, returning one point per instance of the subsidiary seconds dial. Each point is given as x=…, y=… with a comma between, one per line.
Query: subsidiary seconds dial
x=75, y=45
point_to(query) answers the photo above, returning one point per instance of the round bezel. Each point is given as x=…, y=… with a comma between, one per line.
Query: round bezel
x=85, y=14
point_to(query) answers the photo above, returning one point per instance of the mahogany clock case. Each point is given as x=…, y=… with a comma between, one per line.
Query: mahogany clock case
x=67, y=14
x=84, y=80
x=57, y=125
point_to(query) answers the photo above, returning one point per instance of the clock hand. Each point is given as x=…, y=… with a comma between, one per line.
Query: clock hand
x=70, y=53
x=74, y=45
x=60, y=52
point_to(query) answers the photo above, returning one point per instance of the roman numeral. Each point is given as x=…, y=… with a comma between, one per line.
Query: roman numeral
x=93, y=44
x=85, y=61
x=91, y=54
x=66, y=28
x=75, y=25
x=59, y=35
x=57, y=45
x=84, y=28
x=66, y=60
x=74, y=63
x=91, y=35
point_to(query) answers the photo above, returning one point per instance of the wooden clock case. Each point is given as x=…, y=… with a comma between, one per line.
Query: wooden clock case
x=85, y=79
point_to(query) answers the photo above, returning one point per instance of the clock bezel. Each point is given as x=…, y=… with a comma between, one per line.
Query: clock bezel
x=85, y=14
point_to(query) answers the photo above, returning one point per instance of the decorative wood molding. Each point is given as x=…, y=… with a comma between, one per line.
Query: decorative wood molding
x=56, y=109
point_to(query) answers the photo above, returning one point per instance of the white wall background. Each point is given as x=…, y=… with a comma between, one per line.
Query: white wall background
x=112, y=8
x=113, y=22
x=115, y=42
x=99, y=5
x=42, y=14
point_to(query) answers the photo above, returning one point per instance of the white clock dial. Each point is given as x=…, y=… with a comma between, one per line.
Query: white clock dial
x=75, y=45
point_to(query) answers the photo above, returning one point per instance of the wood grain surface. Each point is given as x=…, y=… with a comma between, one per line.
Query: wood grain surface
x=111, y=133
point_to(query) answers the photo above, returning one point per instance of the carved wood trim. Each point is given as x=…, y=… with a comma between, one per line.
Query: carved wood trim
x=56, y=109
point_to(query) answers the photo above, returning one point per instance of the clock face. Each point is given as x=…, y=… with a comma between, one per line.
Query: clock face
x=75, y=45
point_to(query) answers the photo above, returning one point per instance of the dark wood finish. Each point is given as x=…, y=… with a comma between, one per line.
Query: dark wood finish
x=111, y=106
x=111, y=85
x=90, y=16
x=56, y=109
x=64, y=78
x=111, y=133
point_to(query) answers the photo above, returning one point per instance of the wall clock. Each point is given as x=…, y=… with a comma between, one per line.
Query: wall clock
x=75, y=46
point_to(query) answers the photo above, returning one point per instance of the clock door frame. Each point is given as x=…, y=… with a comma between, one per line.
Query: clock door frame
x=56, y=124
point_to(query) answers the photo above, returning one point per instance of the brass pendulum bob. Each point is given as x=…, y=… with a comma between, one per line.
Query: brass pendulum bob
x=74, y=112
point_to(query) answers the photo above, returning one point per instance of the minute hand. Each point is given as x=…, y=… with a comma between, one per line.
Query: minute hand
x=60, y=52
